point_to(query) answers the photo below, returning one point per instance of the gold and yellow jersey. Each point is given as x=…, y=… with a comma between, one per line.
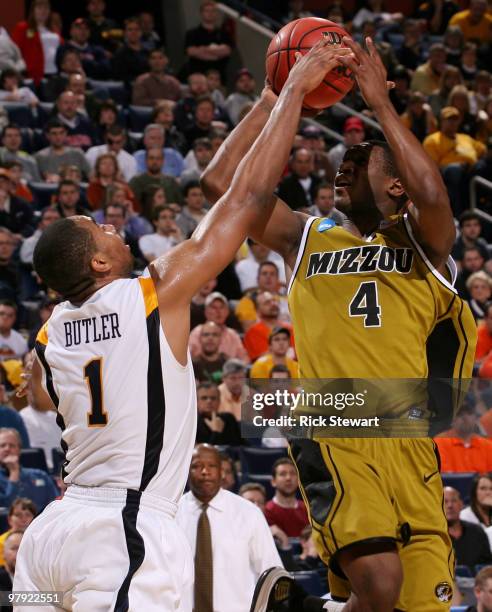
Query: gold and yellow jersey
x=376, y=308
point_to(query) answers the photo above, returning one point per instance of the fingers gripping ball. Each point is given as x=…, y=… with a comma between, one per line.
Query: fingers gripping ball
x=300, y=35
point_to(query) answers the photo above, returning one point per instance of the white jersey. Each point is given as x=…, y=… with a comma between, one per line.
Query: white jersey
x=126, y=407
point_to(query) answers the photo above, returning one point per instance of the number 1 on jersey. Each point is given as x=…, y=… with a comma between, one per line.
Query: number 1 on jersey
x=97, y=417
x=365, y=304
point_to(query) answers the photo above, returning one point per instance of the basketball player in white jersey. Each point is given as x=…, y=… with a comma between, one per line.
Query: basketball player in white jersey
x=114, y=361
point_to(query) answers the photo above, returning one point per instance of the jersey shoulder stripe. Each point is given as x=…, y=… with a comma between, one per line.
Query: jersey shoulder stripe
x=149, y=295
x=42, y=336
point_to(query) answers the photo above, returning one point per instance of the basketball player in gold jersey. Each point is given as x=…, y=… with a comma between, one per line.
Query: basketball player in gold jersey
x=373, y=299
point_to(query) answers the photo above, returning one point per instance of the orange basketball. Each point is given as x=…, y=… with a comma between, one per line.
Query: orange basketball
x=300, y=35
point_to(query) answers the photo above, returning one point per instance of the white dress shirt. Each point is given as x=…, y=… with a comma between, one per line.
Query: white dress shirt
x=156, y=245
x=43, y=430
x=242, y=546
x=126, y=162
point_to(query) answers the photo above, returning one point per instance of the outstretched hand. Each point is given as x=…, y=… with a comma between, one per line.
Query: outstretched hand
x=310, y=69
x=369, y=71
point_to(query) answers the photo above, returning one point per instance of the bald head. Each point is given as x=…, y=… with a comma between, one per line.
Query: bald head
x=302, y=163
x=210, y=336
x=452, y=505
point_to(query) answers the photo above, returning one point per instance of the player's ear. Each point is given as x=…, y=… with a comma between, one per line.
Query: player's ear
x=100, y=264
x=395, y=188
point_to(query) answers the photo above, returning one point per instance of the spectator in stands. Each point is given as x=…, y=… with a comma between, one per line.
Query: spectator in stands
x=38, y=40
x=353, y=134
x=411, y=53
x=135, y=225
x=225, y=531
x=468, y=64
x=450, y=77
x=285, y=510
x=483, y=353
x=466, y=451
x=229, y=476
x=154, y=136
x=202, y=156
x=46, y=308
x=472, y=262
x=255, y=493
x=131, y=60
x=19, y=189
x=156, y=85
x=9, y=417
x=459, y=98
x=193, y=211
x=163, y=114
x=197, y=311
x=107, y=176
x=150, y=38
x=480, y=509
x=48, y=216
x=482, y=89
x=185, y=109
x=278, y=344
x=80, y=132
x=12, y=343
x=454, y=153
x=212, y=427
x=208, y=45
x=69, y=64
x=210, y=364
x=426, y=77
x=104, y=32
x=12, y=90
x=437, y=14
x=453, y=43
x=166, y=236
x=58, y=154
x=10, y=55
x=7, y=572
x=93, y=58
x=247, y=269
x=15, y=214
x=312, y=140
x=297, y=189
x=470, y=236
x=267, y=280
x=257, y=336
x=217, y=310
x=244, y=94
x=116, y=140
x=233, y=390
x=87, y=103
x=16, y=481
x=479, y=286
x=106, y=117
x=20, y=516
x=68, y=200
x=418, y=116
x=201, y=126
x=215, y=87
x=470, y=542
x=9, y=267
x=482, y=591
x=324, y=204
x=11, y=151
x=475, y=22
x=144, y=185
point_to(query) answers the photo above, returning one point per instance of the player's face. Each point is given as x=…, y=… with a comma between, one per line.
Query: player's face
x=484, y=492
x=353, y=193
x=285, y=480
x=205, y=474
x=255, y=497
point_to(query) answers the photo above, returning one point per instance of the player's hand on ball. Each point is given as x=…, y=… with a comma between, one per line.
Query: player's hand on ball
x=369, y=71
x=310, y=69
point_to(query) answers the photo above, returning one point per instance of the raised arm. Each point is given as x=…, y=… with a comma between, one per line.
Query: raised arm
x=430, y=212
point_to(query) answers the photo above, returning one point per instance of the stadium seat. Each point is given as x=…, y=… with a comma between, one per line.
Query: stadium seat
x=19, y=113
x=33, y=458
x=459, y=481
x=459, y=609
x=231, y=451
x=115, y=90
x=45, y=110
x=464, y=571
x=39, y=140
x=295, y=545
x=4, y=526
x=310, y=581
x=259, y=460
x=139, y=117
x=58, y=457
x=263, y=479
x=26, y=144
x=43, y=193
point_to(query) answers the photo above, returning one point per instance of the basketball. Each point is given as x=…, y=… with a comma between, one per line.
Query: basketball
x=300, y=35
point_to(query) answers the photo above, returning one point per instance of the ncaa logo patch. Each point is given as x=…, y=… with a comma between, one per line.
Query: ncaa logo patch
x=444, y=592
x=326, y=224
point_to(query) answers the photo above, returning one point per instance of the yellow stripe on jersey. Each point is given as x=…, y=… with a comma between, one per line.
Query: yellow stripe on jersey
x=149, y=295
x=42, y=336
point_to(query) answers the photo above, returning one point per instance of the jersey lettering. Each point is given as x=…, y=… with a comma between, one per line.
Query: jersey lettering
x=359, y=260
x=92, y=329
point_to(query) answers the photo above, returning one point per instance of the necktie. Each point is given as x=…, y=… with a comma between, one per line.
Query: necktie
x=203, y=565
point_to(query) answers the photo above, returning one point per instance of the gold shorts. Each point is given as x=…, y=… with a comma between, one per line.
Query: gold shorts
x=380, y=490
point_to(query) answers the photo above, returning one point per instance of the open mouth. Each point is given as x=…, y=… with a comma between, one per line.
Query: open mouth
x=342, y=182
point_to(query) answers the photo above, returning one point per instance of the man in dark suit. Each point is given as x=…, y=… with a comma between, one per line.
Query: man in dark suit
x=10, y=548
x=15, y=213
x=298, y=188
x=212, y=427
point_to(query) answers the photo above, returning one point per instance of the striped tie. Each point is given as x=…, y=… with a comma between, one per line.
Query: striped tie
x=203, y=565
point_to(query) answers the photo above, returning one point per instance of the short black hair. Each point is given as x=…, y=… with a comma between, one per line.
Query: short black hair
x=10, y=126
x=9, y=303
x=281, y=461
x=323, y=185
x=468, y=215
x=55, y=123
x=161, y=208
x=67, y=183
x=268, y=263
x=191, y=185
x=387, y=163
x=62, y=257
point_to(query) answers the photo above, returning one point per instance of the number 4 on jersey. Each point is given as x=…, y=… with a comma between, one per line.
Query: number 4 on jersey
x=97, y=417
x=365, y=304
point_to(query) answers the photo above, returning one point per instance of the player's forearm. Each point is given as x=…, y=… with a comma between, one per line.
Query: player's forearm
x=218, y=175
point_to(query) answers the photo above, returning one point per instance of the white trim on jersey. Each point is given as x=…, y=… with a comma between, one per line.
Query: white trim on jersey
x=450, y=263
x=300, y=252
